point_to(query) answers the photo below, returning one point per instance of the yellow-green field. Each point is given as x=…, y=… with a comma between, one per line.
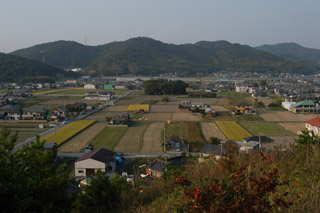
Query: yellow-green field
x=46, y=91
x=69, y=131
x=232, y=130
x=137, y=107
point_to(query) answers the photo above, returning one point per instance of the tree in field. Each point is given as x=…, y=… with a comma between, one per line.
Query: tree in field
x=29, y=181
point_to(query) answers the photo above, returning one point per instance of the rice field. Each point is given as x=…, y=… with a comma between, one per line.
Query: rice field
x=232, y=130
x=67, y=132
x=267, y=129
x=137, y=107
x=108, y=137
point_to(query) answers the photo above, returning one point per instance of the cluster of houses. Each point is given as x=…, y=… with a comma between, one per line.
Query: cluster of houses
x=120, y=119
x=197, y=107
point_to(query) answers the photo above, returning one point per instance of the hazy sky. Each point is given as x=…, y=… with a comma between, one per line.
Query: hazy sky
x=24, y=23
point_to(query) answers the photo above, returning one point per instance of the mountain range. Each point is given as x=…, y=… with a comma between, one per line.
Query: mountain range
x=292, y=51
x=18, y=69
x=146, y=56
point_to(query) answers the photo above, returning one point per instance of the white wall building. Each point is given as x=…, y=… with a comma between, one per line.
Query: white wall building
x=313, y=125
x=287, y=105
x=89, y=86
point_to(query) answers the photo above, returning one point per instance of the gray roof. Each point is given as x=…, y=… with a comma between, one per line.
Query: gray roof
x=49, y=145
x=263, y=139
x=158, y=165
x=102, y=155
x=211, y=149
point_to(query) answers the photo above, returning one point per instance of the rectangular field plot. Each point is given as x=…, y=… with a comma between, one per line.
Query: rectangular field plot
x=108, y=137
x=193, y=136
x=117, y=108
x=283, y=116
x=68, y=131
x=164, y=108
x=186, y=116
x=132, y=140
x=267, y=129
x=210, y=129
x=293, y=127
x=152, y=139
x=137, y=107
x=78, y=142
x=232, y=130
x=157, y=116
x=176, y=128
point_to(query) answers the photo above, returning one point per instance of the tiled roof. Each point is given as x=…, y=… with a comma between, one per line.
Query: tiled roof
x=303, y=103
x=102, y=155
x=314, y=122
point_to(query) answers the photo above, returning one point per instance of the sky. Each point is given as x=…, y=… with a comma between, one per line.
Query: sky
x=24, y=23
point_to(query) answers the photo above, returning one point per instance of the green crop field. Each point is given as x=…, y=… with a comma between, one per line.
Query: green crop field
x=175, y=128
x=68, y=131
x=267, y=129
x=193, y=136
x=108, y=137
x=232, y=130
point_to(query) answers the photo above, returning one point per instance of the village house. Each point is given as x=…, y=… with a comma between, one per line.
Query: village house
x=98, y=159
x=35, y=114
x=59, y=114
x=313, y=126
x=121, y=118
x=306, y=106
x=102, y=96
x=9, y=112
x=217, y=151
x=243, y=108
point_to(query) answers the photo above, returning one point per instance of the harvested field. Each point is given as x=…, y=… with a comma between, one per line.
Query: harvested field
x=19, y=124
x=210, y=101
x=210, y=129
x=265, y=100
x=132, y=99
x=293, y=127
x=108, y=137
x=100, y=115
x=157, y=116
x=77, y=143
x=222, y=101
x=267, y=129
x=164, y=108
x=219, y=108
x=117, y=108
x=152, y=138
x=279, y=141
x=186, y=116
x=131, y=141
x=283, y=116
x=232, y=130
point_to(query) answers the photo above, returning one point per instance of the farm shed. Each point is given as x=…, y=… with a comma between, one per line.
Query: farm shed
x=99, y=159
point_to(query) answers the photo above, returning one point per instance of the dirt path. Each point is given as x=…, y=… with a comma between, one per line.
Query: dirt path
x=152, y=139
x=77, y=143
x=210, y=129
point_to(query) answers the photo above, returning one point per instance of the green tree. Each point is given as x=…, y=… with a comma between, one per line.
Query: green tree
x=103, y=194
x=29, y=181
x=214, y=140
x=263, y=83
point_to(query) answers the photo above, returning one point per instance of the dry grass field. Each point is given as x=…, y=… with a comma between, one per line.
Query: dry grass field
x=157, y=116
x=293, y=127
x=131, y=141
x=132, y=99
x=222, y=101
x=186, y=116
x=210, y=129
x=164, y=108
x=219, y=108
x=77, y=143
x=283, y=116
x=100, y=115
x=117, y=108
x=152, y=138
x=193, y=136
x=265, y=100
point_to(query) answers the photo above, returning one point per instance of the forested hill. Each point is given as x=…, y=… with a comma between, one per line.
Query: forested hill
x=146, y=56
x=18, y=69
x=293, y=51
